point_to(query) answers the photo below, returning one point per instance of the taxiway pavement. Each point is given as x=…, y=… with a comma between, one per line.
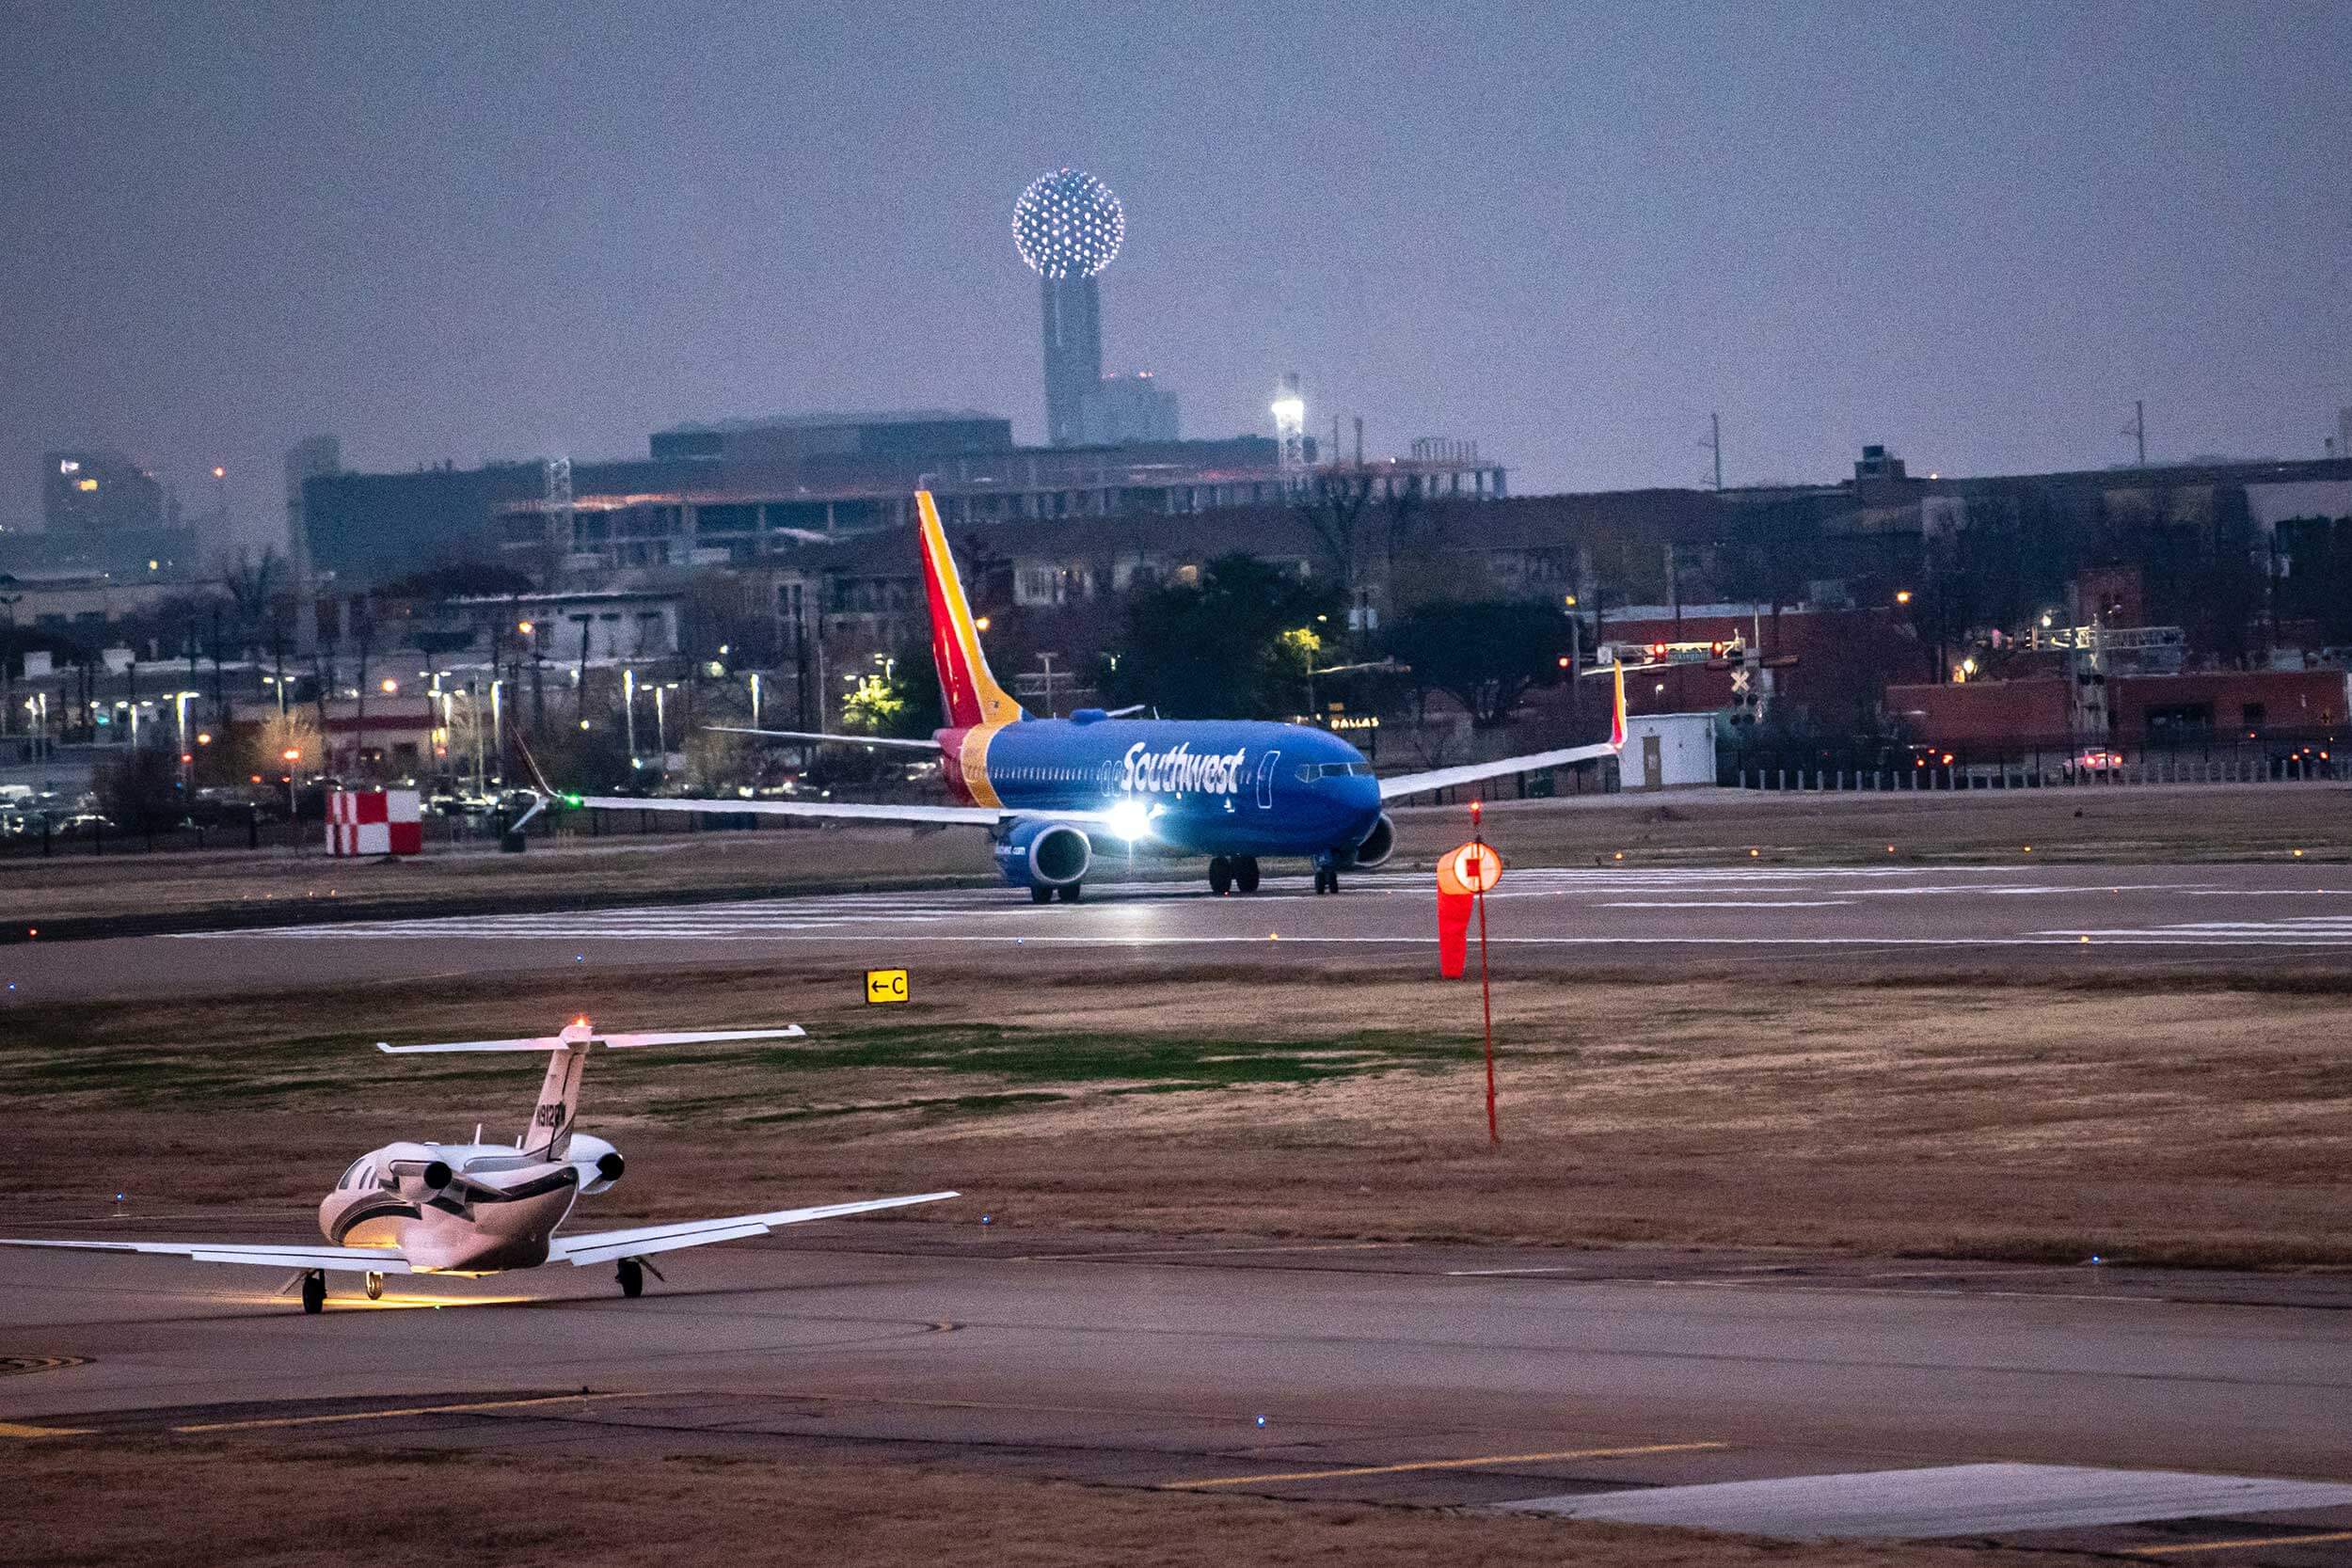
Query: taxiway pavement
x=1311, y=1371
x=1541, y=918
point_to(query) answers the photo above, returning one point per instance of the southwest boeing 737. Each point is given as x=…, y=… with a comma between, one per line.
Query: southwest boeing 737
x=1047, y=790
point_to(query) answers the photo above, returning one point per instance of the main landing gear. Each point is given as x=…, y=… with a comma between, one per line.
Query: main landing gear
x=1326, y=878
x=314, y=1292
x=631, y=1273
x=1233, y=874
x=1069, y=893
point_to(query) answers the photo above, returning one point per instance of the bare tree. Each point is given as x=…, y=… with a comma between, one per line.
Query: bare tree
x=1333, y=506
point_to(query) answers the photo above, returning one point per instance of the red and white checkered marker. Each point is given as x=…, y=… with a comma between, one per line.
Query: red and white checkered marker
x=374, y=822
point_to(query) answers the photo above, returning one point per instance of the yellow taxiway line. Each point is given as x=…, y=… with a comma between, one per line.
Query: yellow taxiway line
x=2243, y=1544
x=1443, y=1464
x=411, y=1410
x=13, y=1429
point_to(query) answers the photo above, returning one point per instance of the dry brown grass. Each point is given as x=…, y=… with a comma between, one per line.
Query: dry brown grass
x=2139, y=824
x=2176, y=1118
x=76, y=1503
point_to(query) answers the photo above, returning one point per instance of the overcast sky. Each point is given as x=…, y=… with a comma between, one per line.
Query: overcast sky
x=1975, y=233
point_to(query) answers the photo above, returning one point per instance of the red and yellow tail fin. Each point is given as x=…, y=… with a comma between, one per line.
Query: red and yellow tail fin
x=968, y=693
x=1617, y=713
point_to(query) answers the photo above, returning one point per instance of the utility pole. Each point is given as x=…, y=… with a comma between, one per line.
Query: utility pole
x=2138, y=429
x=1048, y=660
x=580, y=678
x=1715, y=444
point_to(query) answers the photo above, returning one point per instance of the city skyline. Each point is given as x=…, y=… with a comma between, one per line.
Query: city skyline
x=1975, y=240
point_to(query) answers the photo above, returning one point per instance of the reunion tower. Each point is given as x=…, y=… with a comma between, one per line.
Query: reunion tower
x=1068, y=226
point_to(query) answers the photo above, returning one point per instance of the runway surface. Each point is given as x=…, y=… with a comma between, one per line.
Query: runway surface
x=1409, y=1373
x=1540, y=917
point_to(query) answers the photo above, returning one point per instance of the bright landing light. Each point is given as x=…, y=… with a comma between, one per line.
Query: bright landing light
x=1131, y=820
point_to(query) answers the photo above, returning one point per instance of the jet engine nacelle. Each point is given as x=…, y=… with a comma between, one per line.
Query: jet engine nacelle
x=598, y=1163
x=1044, y=854
x=418, y=1173
x=1379, y=845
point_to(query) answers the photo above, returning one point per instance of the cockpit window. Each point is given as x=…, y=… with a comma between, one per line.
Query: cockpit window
x=1346, y=769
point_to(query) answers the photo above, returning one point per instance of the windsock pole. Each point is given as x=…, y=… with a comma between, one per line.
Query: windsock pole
x=1485, y=989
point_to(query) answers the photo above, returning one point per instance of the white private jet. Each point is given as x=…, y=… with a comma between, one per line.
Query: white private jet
x=476, y=1209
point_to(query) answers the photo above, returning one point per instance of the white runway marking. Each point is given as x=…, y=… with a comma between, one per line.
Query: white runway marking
x=1945, y=1499
x=1730, y=904
x=1140, y=914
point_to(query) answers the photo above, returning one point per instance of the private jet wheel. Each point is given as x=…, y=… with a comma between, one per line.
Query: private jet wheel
x=1041, y=895
x=314, y=1292
x=1221, y=875
x=1246, y=873
x=375, y=1286
x=1071, y=892
x=631, y=1273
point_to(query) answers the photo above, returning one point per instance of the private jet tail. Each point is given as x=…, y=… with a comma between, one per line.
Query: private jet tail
x=550, y=1132
x=968, y=694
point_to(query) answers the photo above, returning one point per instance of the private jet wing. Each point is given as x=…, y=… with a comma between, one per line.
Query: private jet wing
x=1471, y=772
x=603, y=1246
x=358, y=1259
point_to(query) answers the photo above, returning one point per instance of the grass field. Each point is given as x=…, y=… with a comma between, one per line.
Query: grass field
x=2187, y=1118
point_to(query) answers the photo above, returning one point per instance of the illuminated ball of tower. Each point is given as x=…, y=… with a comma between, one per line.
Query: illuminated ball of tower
x=1067, y=224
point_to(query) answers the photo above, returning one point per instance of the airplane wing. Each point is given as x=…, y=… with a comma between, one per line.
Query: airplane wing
x=931, y=746
x=855, y=811
x=845, y=811
x=356, y=1258
x=1446, y=778
x=603, y=1246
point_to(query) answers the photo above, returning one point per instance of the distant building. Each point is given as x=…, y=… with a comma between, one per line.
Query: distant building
x=789, y=439
x=306, y=461
x=1123, y=410
x=1068, y=226
x=90, y=491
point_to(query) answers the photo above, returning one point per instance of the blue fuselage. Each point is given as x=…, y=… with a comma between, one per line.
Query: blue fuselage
x=1192, y=787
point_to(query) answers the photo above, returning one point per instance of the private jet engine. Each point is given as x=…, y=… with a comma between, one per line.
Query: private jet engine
x=598, y=1163
x=1379, y=845
x=417, y=1173
x=1042, y=854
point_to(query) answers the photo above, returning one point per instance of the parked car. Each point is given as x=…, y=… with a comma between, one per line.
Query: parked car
x=2097, y=763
